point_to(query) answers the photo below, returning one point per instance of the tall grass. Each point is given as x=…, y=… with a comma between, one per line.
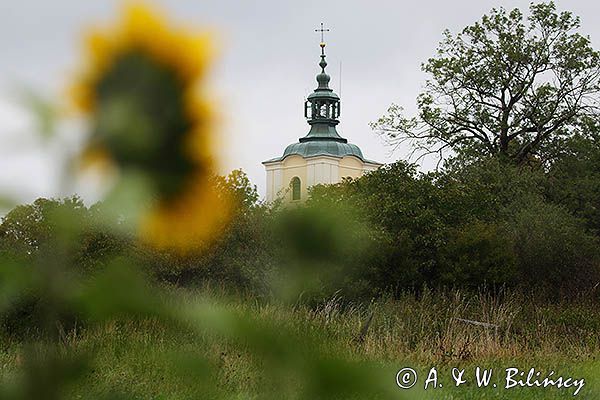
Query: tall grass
x=415, y=329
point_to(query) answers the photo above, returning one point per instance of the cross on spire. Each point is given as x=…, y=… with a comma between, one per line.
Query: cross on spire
x=322, y=30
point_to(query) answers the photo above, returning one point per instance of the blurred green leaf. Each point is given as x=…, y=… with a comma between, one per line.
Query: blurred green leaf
x=120, y=291
x=43, y=110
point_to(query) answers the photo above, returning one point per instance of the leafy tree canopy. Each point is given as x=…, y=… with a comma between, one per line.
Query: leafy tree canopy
x=507, y=85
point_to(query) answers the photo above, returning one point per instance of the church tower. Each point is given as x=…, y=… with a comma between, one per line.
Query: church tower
x=320, y=157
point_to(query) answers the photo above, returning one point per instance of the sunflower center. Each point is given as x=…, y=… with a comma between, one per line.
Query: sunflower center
x=142, y=122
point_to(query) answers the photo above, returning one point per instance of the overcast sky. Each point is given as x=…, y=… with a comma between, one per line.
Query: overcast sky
x=268, y=62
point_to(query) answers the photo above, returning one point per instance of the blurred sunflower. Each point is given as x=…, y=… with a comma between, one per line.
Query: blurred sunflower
x=140, y=87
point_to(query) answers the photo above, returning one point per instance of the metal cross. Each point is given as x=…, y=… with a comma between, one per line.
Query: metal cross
x=322, y=30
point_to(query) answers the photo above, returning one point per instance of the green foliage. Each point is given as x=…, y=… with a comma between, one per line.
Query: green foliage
x=554, y=252
x=320, y=253
x=238, y=259
x=44, y=111
x=44, y=248
x=481, y=223
x=396, y=207
x=479, y=254
x=574, y=178
x=506, y=85
x=238, y=185
x=62, y=228
x=63, y=241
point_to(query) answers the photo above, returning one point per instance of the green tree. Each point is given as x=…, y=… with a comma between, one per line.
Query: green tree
x=507, y=85
x=60, y=227
x=573, y=180
x=238, y=185
x=402, y=207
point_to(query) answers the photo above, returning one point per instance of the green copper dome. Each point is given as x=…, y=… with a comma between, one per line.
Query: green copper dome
x=323, y=148
x=322, y=110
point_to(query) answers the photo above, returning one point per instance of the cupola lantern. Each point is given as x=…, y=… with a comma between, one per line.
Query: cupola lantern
x=320, y=157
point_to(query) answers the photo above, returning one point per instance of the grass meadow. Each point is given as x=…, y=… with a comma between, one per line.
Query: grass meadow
x=155, y=359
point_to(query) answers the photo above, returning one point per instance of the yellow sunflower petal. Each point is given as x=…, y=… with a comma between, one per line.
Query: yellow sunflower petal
x=190, y=222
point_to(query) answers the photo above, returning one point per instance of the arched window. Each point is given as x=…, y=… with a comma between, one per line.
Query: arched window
x=295, y=188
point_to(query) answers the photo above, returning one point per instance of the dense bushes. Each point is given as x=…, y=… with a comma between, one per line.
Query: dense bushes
x=58, y=245
x=479, y=223
x=237, y=259
x=554, y=252
x=484, y=222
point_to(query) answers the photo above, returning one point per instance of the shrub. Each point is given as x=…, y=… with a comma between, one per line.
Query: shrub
x=554, y=252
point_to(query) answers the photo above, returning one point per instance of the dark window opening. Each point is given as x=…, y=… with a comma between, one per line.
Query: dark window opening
x=296, y=188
